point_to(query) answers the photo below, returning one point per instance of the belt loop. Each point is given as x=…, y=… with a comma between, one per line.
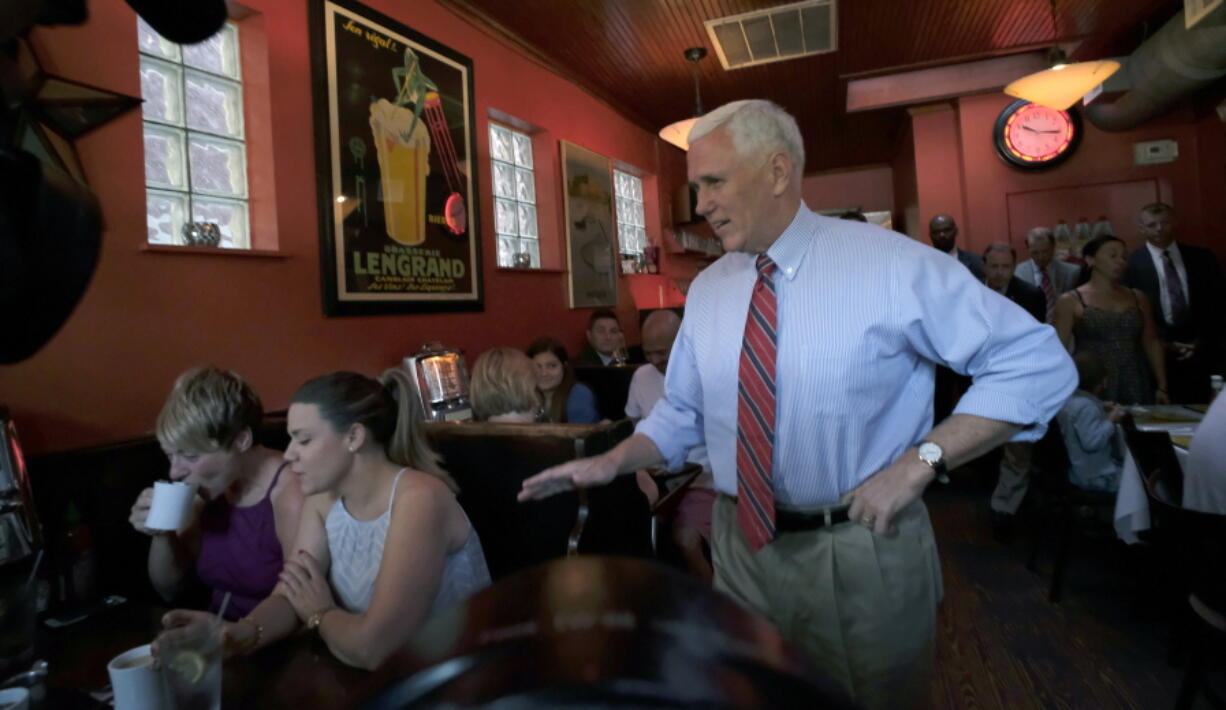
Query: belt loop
x=826, y=512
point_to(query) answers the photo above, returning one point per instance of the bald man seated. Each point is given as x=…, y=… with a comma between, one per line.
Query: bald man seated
x=691, y=530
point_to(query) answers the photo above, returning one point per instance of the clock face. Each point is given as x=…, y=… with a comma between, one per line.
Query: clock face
x=1032, y=136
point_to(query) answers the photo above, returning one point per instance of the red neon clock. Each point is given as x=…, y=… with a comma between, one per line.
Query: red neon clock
x=1034, y=137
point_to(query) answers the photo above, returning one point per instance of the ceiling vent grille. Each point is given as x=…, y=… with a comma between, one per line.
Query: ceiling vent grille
x=775, y=34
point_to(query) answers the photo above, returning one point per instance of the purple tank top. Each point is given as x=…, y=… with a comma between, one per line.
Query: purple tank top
x=240, y=552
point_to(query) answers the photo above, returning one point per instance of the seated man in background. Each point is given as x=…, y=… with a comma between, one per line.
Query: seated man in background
x=691, y=530
x=503, y=387
x=1096, y=459
x=1014, y=480
x=604, y=337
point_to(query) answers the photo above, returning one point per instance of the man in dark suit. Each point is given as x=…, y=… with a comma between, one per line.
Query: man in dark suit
x=604, y=337
x=943, y=231
x=999, y=261
x=1185, y=287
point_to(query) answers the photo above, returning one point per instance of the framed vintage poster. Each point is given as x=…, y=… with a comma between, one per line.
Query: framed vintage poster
x=591, y=244
x=395, y=154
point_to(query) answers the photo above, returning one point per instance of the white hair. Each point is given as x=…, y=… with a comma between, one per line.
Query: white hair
x=757, y=127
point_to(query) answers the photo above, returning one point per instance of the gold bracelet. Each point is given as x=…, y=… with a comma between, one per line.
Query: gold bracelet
x=314, y=620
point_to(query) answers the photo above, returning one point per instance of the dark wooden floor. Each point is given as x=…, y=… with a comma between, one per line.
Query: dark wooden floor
x=1001, y=644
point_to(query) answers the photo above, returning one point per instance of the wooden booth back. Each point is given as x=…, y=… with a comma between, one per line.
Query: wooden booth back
x=490, y=462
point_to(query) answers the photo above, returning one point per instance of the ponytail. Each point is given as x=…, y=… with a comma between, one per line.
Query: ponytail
x=408, y=445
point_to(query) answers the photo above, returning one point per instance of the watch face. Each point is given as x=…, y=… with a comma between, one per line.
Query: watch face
x=1032, y=136
x=930, y=452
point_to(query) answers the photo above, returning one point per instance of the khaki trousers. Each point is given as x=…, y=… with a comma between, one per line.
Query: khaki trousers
x=1014, y=477
x=862, y=607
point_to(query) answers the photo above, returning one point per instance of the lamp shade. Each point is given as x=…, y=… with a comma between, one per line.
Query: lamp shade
x=678, y=133
x=1061, y=86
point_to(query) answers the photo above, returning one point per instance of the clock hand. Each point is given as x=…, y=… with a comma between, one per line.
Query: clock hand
x=1028, y=128
x=1047, y=131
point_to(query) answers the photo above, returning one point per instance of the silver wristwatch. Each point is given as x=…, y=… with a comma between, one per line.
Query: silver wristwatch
x=931, y=453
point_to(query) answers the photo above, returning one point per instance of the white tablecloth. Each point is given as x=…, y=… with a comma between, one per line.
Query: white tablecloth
x=1131, y=503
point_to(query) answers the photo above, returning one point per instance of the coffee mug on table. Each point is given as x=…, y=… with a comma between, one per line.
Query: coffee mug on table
x=136, y=683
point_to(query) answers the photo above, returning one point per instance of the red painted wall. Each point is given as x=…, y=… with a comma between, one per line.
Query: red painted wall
x=940, y=187
x=869, y=188
x=147, y=316
x=906, y=187
x=1100, y=177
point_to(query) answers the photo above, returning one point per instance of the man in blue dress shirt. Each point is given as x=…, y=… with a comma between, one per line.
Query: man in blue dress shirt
x=856, y=318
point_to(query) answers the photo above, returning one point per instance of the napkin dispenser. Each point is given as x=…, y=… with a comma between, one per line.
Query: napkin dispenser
x=440, y=377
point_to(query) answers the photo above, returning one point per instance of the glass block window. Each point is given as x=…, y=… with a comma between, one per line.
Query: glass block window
x=631, y=229
x=514, y=198
x=195, y=154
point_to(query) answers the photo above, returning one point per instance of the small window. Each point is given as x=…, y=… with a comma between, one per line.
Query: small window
x=631, y=230
x=195, y=148
x=514, y=199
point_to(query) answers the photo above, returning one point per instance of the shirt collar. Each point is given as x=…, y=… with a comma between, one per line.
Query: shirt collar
x=788, y=251
x=1156, y=253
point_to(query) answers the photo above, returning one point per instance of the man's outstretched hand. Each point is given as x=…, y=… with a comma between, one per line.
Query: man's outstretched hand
x=580, y=473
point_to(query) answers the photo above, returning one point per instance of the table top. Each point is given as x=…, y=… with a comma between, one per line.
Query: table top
x=294, y=673
x=1178, y=420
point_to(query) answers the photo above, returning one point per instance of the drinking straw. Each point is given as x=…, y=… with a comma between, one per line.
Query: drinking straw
x=33, y=572
x=221, y=611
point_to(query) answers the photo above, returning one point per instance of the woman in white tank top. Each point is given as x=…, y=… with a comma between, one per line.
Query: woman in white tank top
x=382, y=542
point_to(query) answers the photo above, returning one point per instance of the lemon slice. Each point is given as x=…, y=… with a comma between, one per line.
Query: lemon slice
x=188, y=664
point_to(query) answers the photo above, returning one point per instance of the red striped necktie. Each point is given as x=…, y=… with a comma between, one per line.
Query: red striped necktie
x=1049, y=294
x=755, y=416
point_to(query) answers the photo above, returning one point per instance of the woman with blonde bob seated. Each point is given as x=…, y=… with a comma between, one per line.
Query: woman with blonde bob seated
x=375, y=486
x=503, y=387
x=246, y=516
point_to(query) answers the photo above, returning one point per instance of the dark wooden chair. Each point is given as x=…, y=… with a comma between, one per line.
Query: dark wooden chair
x=490, y=461
x=1060, y=508
x=1194, y=543
x=1153, y=451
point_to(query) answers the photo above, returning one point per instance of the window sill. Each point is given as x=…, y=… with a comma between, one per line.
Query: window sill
x=514, y=270
x=214, y=251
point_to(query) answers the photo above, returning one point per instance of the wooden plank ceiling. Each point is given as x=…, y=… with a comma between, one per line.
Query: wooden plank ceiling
x=630, y=54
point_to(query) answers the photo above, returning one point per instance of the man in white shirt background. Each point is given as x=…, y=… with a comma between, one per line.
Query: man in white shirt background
x=691, y=526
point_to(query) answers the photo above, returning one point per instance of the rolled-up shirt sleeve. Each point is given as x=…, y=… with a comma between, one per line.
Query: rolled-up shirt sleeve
x=675, y=424
x=1020, y=372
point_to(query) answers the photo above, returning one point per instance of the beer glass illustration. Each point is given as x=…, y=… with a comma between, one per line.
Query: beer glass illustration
x=402, y=147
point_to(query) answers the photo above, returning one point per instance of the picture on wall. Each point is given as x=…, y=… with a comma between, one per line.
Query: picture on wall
x=590, y=236
x=395, y=150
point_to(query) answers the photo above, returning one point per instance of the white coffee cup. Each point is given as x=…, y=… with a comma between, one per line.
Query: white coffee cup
x=172, y=504
x=14, y=699
x=136, y=683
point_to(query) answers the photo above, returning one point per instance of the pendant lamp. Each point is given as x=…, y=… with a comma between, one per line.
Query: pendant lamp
x=1065, y=82
x=678, y=133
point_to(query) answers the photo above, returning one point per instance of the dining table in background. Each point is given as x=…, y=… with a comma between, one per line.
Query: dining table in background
x=1131, y=503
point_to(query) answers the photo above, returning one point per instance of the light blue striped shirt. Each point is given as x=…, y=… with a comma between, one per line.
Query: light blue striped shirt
x=864, y=313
